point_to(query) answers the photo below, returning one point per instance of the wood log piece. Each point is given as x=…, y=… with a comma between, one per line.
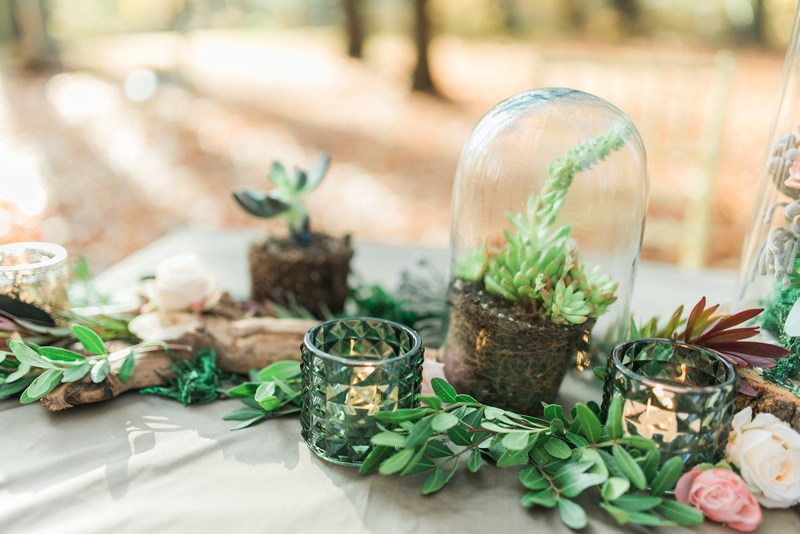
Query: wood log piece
x=771, y=398
x=241, y=345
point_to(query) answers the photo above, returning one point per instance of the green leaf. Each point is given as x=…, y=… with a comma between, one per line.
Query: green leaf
x=614, y=487
x=651, y=462
x=245, y=424
x=89, y=339
x=9, y=389
x=28, y=356
x=420, y=433
x=629, y=467
x=460, y=435
x=397, y=462
x=557, y=448
x=636, y=503
x=389, y=439
x=667, y=476
x=411, y=466
x=443, y=390
x=544, y=498
x=127, y=367
x=403, y=414
x=21, y=371
x=75, y=373
x=469, y=399
x=614, y=418
x=282, y=370
x=374, y=458
x=637, y=442
x=577, y=440
x=475, y=461
x=620, y=516
x=511, y=458
x=532, y=478
x=493, y=413
x=243, y=414
x=598, y=465
x=443, y=422
x=243, y=390
x=41, y=386
x=492, y=427
x=433, y=402
x=572, y=514
x=64, y=355
x=612, y=465
x=100, y=371
x=515, y=441
x=438, y=449
x=679, y=513
x=437, y=480
x=554, y=411
x=590, y=424
x=265, y=396
x=648, y=519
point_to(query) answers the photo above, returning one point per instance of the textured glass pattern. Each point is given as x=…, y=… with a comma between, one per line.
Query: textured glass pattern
x=681, y=396
x=351, y=369
x=37, y=274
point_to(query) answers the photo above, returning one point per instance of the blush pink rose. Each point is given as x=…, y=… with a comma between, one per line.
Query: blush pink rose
x=722, y=496
x=793, y=182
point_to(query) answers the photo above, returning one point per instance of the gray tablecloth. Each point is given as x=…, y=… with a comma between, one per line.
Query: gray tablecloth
x=146, y=464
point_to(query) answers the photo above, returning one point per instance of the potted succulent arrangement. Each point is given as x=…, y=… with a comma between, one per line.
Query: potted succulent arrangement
x=522, y=309
x=306, y=269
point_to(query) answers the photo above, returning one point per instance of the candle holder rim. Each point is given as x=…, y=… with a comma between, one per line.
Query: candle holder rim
x=307, y=343
x=672, y=386
x=59, y=255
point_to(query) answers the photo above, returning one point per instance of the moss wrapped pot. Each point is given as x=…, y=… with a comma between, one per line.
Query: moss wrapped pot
x=535, y=270
x=306, y=269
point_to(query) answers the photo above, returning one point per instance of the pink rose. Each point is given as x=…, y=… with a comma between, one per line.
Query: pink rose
x=722, y=496
x=430, y=369
x=793, y=182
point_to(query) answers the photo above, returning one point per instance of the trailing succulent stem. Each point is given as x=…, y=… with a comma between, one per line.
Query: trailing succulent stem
x=286, y=198
x=540, y=266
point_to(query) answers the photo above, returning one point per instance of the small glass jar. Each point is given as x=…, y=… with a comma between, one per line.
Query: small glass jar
x=36, y=274
x=351, y=370
x=679, y=395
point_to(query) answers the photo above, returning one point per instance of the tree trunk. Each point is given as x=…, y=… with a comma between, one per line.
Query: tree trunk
x=355, y=30
x=422, y=37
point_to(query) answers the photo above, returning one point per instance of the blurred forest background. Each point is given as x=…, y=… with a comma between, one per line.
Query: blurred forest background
x=123, y=119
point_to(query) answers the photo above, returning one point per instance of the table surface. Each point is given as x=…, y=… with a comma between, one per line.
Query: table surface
x=142, y=463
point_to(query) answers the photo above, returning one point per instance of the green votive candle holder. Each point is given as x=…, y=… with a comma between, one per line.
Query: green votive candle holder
x=352, y=369
x=679, y=395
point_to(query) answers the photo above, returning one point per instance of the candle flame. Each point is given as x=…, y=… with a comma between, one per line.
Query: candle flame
x=682, y=376
x=663, y=397
x=352, y=345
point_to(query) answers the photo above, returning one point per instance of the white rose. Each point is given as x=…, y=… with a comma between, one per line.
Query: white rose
x=767, y=452
x=183, y=283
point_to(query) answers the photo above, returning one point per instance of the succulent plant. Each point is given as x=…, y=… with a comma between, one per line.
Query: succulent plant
x=541, y=267
x=286, y=198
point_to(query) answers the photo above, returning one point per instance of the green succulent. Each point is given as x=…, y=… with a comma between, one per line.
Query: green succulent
x=286, y=198
x=541, y=266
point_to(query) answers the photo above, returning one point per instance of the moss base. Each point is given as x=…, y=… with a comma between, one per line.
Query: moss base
x=504, y=355
x=315, y=276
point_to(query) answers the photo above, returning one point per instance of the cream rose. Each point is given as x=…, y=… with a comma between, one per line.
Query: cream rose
x=767, y=452
x=183, y=283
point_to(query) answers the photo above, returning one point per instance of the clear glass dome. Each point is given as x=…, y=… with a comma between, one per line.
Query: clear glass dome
x=548, y=211
x=770, y=268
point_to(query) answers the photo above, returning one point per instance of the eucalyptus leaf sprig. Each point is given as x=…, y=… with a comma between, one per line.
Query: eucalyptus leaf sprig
x=40, y=369
x=273, y=391
x=561, y=457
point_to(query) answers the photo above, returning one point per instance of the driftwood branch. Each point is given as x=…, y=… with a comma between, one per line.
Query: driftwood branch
x=771, y=398
x=241, y=345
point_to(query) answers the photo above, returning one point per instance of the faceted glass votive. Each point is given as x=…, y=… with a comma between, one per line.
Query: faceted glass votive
x=679, y=395
x=36, y=274
x=351, y=370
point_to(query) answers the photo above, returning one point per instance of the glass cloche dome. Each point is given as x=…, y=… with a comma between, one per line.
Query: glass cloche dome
x=548, y=212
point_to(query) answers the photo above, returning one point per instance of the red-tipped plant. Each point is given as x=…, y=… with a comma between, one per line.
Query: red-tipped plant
x=720, y=333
